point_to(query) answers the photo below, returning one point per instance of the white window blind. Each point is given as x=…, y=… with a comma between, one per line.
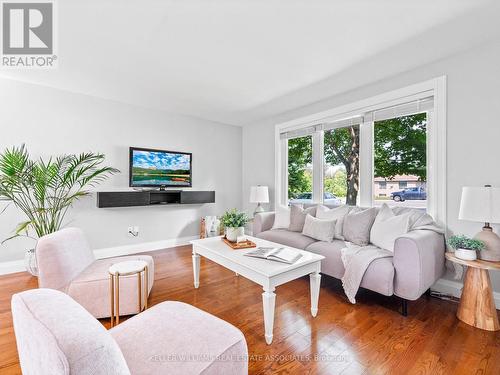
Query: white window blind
x=343, y=123
x=302, y=132
x=406, y=109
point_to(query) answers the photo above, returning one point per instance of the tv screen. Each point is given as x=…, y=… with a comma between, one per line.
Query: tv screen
x=158, y=168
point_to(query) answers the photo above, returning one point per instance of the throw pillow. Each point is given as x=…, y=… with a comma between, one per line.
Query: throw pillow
x=337, y=213
x=319, y=229
x=357, y=226
x=298, y=217
x=388, y=227
x=281, y=217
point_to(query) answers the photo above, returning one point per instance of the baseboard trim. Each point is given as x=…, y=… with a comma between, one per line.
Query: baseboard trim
x=12, y=267
x=454, y=288
x=18, y=265
x=142, y=247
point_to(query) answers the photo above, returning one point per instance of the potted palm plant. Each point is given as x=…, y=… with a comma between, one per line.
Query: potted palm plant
x=234, y=223
x=465, y=248
x=44, y=190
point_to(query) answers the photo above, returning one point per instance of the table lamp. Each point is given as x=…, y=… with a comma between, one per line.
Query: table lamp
x=259, y=194
x=482, y=204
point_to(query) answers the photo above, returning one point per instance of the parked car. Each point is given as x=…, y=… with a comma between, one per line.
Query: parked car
x=328, y=198
x=416, y=193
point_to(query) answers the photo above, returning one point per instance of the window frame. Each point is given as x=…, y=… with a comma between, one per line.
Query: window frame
x=436, y=144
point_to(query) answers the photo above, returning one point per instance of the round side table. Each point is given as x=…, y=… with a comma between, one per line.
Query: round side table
x=477, y=306
x=127, y=268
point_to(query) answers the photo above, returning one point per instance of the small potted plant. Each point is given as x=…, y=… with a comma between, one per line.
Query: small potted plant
x=234, y=223
x=465, y=248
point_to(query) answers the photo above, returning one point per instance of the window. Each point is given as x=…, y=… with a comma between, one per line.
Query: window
x=367, y=152
x=300, y=168
x=399, y=149
x=400, y=155
x=341, y=163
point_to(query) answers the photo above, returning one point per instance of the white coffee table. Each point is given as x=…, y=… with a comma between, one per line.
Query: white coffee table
x=267, y=273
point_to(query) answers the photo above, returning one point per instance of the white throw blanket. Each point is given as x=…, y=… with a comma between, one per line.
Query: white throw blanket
x=357, y=259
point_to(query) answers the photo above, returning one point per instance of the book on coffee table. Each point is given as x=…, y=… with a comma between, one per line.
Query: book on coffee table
x=278, y=254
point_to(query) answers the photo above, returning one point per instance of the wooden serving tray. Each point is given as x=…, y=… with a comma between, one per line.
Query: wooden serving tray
x=239, y=245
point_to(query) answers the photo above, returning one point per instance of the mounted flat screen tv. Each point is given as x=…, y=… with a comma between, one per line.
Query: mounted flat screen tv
x=160, y=168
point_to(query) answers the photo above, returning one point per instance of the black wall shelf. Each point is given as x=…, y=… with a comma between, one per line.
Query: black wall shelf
x=153, y=198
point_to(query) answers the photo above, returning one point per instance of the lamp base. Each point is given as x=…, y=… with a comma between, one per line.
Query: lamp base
x=492, y=242
x=258, y=209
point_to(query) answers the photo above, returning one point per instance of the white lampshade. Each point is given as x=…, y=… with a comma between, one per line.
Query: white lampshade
x=259, y=194
x=480, y=204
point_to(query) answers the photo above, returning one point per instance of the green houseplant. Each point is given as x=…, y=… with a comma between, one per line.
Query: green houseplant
x=465, y=248
x=234, y=223
x=44, y=190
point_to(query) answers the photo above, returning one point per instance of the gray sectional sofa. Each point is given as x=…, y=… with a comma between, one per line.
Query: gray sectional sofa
x=418, y=260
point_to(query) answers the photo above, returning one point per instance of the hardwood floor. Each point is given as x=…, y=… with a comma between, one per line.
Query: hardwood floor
x=370, y=337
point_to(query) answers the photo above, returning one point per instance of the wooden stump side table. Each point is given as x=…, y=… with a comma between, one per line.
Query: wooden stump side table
x=477, y=306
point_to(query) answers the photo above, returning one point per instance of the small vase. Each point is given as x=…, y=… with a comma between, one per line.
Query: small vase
x=233, y=233
x=466, y=254
x=30, y=262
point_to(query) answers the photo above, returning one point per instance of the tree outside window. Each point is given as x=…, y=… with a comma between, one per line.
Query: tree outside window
x=299, y=166
x=342, y=151
x=400, y=146
x=399, y=150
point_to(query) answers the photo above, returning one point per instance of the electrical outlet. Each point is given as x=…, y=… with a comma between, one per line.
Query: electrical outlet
x=133, y=231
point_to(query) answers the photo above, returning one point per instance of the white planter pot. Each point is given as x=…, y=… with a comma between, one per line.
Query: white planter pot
x=30, y=262
x=466, y=254
x=233, y=233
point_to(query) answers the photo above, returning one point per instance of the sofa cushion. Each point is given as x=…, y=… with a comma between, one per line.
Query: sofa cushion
x=281, y=217
x=336, y=213
x=298, y=217
x=387, y=227
x=287, y=238
x=91, y=288
x=378, y=277
x=357, y=226
x=332, y=264
x=176, y=338
x=319, y=229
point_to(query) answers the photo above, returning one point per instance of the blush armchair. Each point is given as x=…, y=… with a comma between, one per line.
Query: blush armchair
x=57, y=336
x=66, y=263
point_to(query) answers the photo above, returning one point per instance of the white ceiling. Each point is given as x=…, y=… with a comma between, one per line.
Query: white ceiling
x=226, y=60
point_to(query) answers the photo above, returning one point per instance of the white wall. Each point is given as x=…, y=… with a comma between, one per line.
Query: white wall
x=53, y=122
x=473, y=151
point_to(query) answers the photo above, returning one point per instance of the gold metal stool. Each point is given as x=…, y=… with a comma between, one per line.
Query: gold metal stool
x=127, y=268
